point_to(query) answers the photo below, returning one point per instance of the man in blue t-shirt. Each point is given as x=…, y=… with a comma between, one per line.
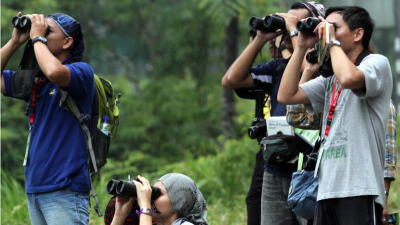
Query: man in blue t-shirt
x=56, y=168
x=269, y=206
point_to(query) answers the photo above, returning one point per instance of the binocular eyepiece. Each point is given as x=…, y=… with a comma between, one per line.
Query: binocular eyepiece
x=268, y=24
x=128, y=189
x=308, y=25
x=22, y=23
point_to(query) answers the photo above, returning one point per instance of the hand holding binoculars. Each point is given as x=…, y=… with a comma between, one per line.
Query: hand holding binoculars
x=128, y=189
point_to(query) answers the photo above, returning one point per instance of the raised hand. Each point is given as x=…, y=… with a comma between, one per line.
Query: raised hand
x=39, y=25
x=143, y=189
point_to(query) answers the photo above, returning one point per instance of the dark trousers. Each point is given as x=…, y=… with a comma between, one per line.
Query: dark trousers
x=360, y=210
x=253, y=198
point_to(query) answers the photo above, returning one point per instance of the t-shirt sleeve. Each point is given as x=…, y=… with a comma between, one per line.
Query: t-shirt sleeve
x=315, y=92
x=7, y=76
x=82, y=78
x=377, y=73
x=262, y=76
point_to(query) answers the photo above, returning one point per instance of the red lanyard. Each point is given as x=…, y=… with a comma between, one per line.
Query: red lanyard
x=35, y=88
x=332, y=106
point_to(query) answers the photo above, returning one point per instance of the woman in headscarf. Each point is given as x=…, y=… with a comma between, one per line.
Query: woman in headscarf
x=180, y=202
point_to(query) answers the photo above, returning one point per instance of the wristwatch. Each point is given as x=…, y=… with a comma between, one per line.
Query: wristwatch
x=39, y=38
x=146, y=211
x=294, y=33
x=335, y=43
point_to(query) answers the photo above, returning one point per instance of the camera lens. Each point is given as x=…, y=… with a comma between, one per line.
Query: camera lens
x=258, y=129
x=312, y=57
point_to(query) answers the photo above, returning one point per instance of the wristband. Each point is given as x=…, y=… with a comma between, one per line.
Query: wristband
x=146, y=211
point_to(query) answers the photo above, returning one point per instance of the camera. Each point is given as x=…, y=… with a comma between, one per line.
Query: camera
x=128, y=189
x=325, y=68
x=268, y=24
x=308, y=26
x=258, y=128
x=22, y=23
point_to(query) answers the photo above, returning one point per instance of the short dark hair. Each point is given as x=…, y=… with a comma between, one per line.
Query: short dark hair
x=355, y=17
x=300, y=5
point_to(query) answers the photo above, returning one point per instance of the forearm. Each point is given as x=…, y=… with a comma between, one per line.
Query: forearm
x=306, y=76
x=145, y=219
x=7, y=51
x=290, y=80
x=346, y=72
x=51, y=67
x=240, y=69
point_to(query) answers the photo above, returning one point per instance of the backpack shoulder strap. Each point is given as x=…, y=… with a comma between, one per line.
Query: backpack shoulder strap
x=68, y=103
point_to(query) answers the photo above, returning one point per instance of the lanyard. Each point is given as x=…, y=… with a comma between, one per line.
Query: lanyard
x=35, y=89
x=332, y=106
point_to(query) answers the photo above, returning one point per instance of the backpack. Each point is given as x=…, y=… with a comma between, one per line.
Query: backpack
x=105, y=105
x=104, y=124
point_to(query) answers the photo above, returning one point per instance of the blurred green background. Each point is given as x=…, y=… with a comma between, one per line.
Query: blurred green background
x=167, y=59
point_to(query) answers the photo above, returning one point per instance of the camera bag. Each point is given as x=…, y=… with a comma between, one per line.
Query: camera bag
x=280, y=149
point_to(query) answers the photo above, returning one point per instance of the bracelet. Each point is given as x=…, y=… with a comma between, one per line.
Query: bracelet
x=146, y=211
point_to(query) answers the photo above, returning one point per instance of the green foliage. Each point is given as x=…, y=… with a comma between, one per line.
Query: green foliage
x=14, y=209
x=168, y=118
x=14, y=132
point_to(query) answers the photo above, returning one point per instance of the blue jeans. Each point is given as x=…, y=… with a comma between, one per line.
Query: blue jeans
x=61, y=207
x=274, y=207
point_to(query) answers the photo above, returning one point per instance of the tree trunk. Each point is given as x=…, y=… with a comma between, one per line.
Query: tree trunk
x=228, y=100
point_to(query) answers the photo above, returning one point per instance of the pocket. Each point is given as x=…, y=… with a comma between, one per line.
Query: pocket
x=101, y=144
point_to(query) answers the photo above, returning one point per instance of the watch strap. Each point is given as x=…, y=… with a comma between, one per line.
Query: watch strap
x=39, y=38
x=335, y=43
x=294, y=33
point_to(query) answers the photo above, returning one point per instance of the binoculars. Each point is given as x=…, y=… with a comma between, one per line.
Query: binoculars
x=308, y=26
x=22, y=23
x=268, y=24
x=128, y=189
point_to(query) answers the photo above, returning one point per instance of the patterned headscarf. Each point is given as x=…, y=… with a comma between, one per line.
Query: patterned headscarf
x=186, y=199
x=71, y=28
x=316, y=9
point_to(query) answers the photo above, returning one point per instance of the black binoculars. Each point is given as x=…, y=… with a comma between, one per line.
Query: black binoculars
x=308, y=25
x=268, y=24
x=128, y=189
x=22, y=23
